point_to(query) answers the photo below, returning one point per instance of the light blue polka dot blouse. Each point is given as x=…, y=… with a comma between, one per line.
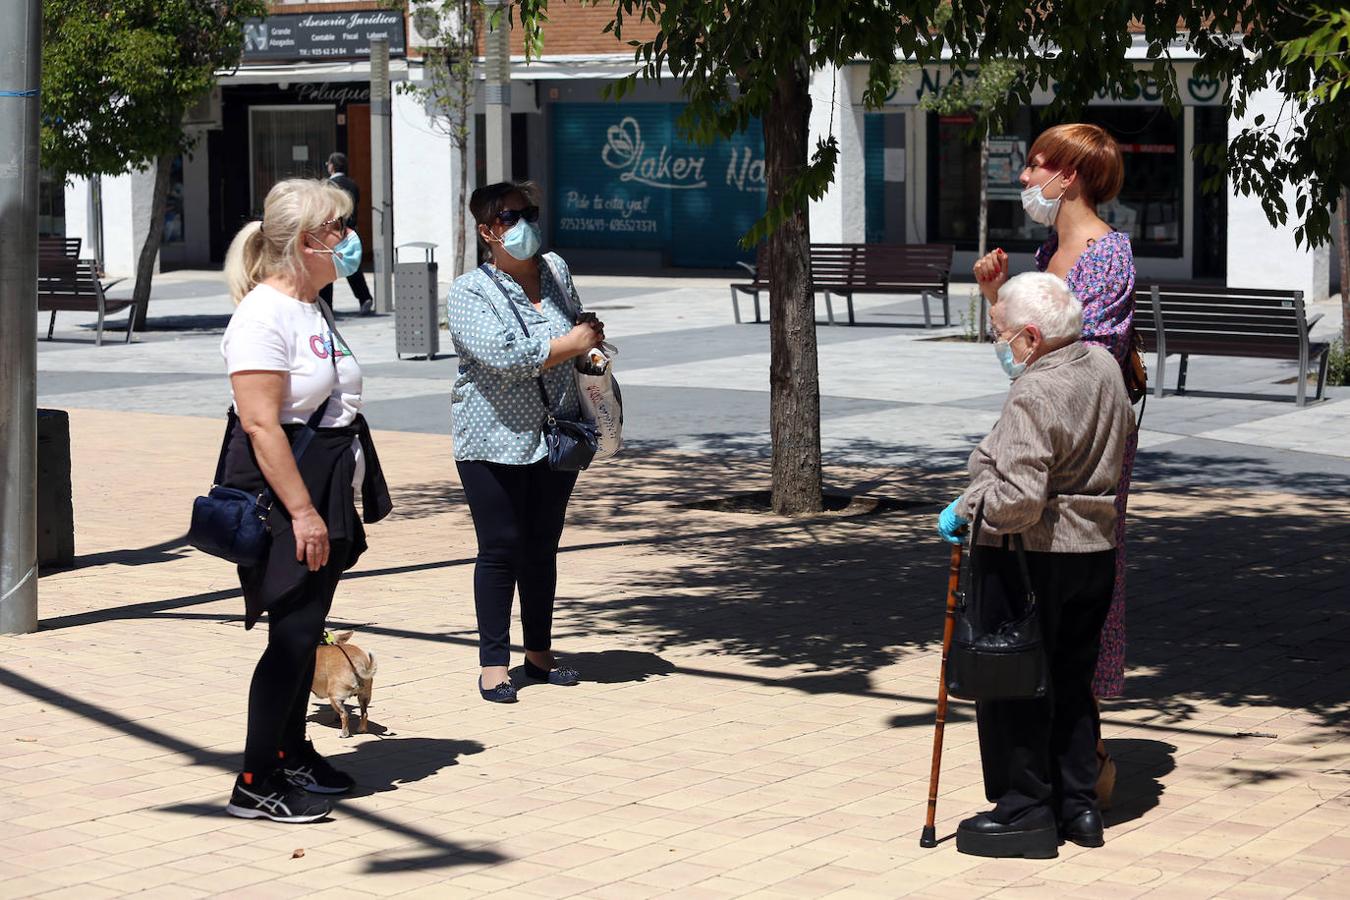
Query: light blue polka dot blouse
x=496, y=413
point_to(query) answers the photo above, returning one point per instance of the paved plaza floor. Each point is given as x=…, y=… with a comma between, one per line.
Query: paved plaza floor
x=756, y=712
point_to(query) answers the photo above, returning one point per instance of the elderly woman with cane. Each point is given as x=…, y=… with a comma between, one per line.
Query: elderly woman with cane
x=1045, y=477
x=1071, y=170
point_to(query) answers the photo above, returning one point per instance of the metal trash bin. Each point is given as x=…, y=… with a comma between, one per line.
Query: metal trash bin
x=417, y=320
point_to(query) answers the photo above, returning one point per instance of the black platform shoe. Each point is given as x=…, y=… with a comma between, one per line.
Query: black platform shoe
x=1084, y=829
x=1032, y=836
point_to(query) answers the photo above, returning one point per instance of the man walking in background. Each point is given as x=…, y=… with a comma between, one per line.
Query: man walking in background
x=337, y=173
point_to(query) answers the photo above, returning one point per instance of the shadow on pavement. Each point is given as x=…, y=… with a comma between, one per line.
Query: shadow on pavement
x=1140, y=768
x=437, y=852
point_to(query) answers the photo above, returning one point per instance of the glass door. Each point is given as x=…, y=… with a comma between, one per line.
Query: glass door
x=288, y=142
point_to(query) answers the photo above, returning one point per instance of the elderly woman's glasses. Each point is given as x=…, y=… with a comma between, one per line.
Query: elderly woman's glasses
x=512, y=216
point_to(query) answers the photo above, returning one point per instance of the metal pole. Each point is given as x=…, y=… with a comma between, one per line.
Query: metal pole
x=20, y=77
x=382, y=173
x=497, y=91
x=95, y=229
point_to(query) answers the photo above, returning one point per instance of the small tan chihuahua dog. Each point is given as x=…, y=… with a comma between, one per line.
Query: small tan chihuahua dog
x=342, y=669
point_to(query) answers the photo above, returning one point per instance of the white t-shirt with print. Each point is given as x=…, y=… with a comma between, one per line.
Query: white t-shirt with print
x=273, y=332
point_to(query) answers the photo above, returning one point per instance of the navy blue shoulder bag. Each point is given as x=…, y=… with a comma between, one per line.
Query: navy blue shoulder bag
x=231, y=523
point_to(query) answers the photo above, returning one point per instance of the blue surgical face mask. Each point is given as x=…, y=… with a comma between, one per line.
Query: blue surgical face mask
x=1038, y=208
x=1003, y=350
x=522, y=240
x=346, y=254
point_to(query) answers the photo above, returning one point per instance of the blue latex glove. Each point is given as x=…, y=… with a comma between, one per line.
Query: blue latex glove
x=950, y=522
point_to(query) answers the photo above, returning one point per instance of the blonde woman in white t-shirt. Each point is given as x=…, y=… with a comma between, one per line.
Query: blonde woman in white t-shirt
x=291, y=373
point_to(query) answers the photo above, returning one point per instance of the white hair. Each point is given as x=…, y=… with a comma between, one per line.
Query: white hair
x=1043, y=300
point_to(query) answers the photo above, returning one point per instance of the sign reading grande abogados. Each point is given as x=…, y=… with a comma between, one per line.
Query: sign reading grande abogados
x=624, y=179
x=322, y=35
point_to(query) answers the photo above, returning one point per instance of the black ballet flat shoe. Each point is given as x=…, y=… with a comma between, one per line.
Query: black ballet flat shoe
x=561, y=676
x=1033, y=836
x=502, y=693
x=1084, y=829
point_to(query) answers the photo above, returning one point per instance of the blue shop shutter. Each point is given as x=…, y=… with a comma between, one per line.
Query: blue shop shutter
x=874, y=176
x=709, y=222
x=600, y=198
x=623, y=179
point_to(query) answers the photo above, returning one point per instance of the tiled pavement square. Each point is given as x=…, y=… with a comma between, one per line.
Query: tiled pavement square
x=756, y=719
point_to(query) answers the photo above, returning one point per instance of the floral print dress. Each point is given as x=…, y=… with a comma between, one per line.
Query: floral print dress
x=1103, y=279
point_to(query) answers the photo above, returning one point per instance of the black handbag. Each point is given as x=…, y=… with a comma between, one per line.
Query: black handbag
x=1006, y=663
x=571, y=443
x=231, y=523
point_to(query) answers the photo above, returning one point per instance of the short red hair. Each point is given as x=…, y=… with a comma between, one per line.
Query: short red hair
x=1088, y=150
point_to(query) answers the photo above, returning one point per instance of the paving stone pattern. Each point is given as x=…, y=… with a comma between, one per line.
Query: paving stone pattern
x=756, y=714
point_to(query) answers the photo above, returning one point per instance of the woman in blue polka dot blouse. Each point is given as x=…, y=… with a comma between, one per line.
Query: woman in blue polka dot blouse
x=497, y=415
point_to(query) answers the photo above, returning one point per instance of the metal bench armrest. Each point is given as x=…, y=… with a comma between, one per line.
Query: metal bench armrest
x=749, y=267
x=1313, y=320
x=107, y=285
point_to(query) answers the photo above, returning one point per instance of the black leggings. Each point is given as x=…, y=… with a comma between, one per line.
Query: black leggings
x=518, y=514
x=1044, y=752
x=278, y=697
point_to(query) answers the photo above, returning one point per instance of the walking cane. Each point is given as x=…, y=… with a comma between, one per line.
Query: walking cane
x=929, y=837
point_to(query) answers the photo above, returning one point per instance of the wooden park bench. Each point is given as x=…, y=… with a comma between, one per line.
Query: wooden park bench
x=59, y=247
x=72, y=285
x=1220, y=321
x=847, y=269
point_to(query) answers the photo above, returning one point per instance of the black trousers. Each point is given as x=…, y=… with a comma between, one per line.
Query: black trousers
x=518, y=514
x=1043, y=752
x=279, y=695
x=356, y=281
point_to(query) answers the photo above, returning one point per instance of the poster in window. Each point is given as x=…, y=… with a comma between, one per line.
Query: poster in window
x=1007, y=158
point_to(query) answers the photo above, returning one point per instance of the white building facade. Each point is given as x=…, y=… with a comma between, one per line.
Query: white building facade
x=622, y=189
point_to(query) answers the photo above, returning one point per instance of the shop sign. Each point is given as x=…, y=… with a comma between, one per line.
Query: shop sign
x=624, y=179
x=322, y=35
x=1194, y=91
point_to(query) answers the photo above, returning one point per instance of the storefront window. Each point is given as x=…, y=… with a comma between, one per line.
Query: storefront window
x=173, y=205
x=1149, y=206
x=51, y=205
x=288, y=142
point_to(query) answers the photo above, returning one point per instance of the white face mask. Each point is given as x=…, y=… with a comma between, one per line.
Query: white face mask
x=1038, y=209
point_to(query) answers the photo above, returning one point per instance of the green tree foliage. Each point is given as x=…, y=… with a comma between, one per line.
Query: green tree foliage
x=117, y=76
x=1326, y=49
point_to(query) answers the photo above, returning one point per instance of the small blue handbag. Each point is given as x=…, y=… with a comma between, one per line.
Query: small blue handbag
x=232, y=524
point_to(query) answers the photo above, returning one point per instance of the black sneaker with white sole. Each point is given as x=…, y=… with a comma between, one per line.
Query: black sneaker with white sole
x=315, y=774
x=275, y=798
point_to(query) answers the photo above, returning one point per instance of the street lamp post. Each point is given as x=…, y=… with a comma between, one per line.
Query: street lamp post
x=497, y=90
x=20, y=77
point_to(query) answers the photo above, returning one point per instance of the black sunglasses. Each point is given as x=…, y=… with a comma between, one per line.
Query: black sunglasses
x=512, y=216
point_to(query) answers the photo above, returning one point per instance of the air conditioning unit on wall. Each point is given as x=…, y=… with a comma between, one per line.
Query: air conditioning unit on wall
x=206, y=114
x=424, y=25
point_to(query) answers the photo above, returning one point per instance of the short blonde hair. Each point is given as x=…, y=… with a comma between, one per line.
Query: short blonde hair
x=272, y=246
x=1043, y=300
x=1088, y=150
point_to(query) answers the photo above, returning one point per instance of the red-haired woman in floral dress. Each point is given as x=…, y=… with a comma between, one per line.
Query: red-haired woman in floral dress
x=1070, y=170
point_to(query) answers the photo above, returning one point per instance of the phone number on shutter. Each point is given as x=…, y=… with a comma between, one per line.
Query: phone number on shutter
x=573, y=223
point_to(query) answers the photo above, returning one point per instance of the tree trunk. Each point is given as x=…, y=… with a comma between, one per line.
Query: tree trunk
x=1343, y=220
x=794, y=378
x=461, y=219
x=984, y=230
x=145, y=266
